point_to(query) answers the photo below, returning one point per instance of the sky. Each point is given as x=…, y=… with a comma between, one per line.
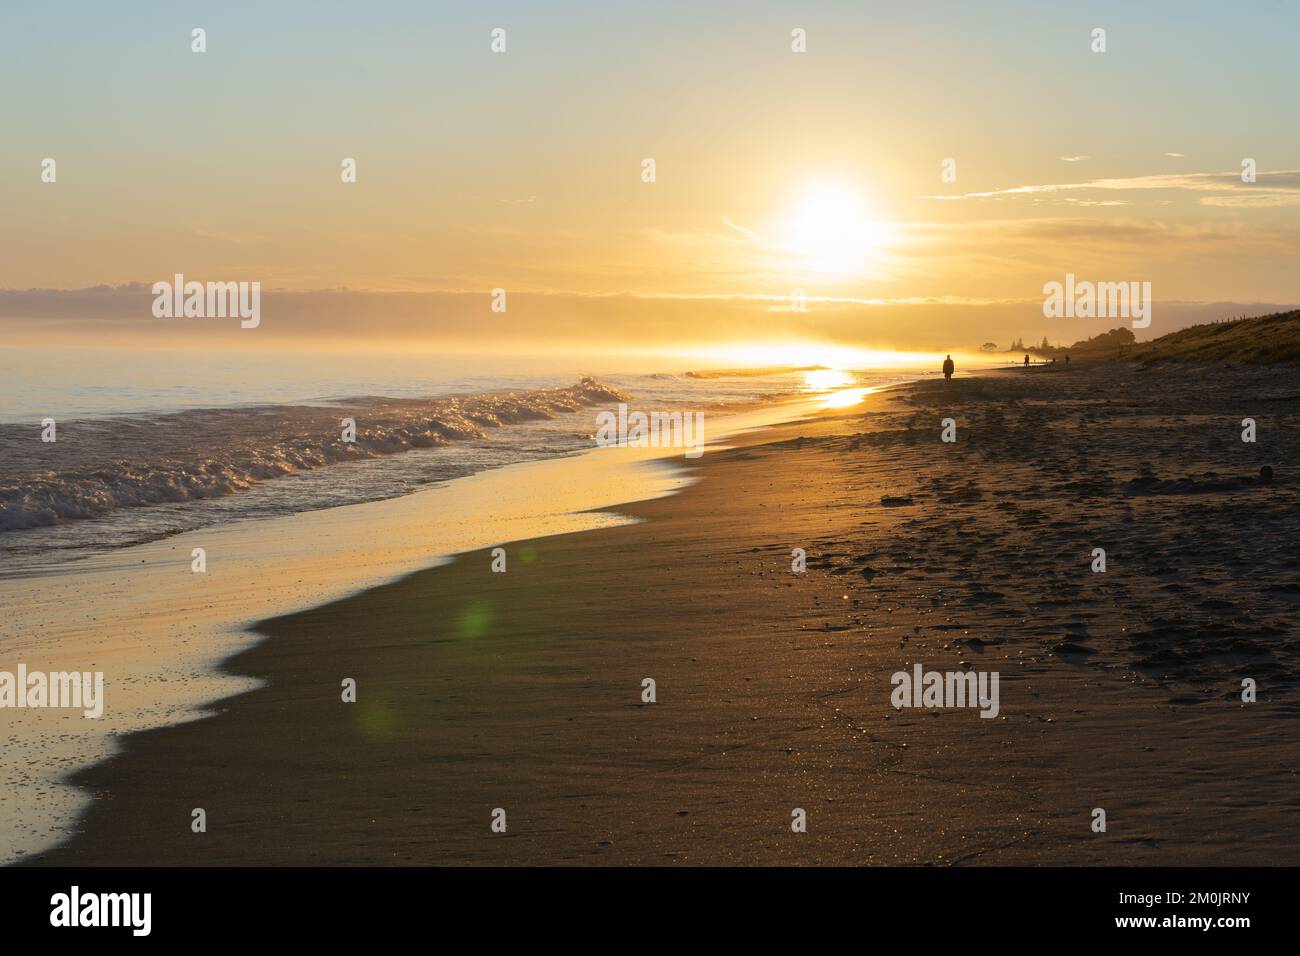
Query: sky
x=779, y=176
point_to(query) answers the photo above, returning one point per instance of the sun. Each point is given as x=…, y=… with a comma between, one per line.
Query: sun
x=830, y=229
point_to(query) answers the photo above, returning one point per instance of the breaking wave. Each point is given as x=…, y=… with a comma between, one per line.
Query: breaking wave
x=99, y=466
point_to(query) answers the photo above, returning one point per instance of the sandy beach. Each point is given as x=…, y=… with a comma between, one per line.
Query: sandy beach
x=522, y=690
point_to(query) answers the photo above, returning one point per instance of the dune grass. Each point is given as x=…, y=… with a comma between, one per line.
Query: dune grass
x=1262, y=340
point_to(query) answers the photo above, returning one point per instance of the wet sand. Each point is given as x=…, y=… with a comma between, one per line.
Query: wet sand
x=523, y=691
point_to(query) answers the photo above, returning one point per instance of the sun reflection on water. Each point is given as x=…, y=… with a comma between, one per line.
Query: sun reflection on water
x=844, y=397
x=834, y=387
x=825, y=379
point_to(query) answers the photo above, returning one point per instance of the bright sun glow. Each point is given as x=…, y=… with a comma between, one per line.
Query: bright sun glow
x=847, y=397
x=834, y=386
x=797, y=353
x=831, y=230
x=825, y=379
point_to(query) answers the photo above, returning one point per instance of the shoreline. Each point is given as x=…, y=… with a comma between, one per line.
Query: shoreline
x=479, y=690
x=162, y=635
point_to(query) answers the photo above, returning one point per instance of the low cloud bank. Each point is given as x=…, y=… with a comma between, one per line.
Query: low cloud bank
x=122, y=315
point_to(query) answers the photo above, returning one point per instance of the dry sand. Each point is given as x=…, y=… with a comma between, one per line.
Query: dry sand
x=522, y=690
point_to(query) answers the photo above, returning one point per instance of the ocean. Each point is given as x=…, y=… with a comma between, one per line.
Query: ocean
x=159, y=456
x=149, y=444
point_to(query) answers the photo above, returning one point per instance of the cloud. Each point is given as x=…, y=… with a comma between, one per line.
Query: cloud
x=750, y=233
x=1280, y=188
x=1074, y=159
x=1113, y=234
x=1254, y=200
x=567, y=322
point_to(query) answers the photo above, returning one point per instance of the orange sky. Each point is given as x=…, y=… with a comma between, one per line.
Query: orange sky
x=778, y=174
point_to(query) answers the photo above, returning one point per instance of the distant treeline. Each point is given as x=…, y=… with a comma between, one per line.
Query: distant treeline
x=1115, y=343
x=1261, y=340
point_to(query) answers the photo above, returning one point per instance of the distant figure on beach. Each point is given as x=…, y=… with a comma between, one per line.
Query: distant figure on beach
x=948, y=369
x=1026, y=361
x=1067, y=358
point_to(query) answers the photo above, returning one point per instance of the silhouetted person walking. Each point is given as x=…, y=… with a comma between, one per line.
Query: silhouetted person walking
x=1067, y=358
x=948, y=369
x=1026, y=361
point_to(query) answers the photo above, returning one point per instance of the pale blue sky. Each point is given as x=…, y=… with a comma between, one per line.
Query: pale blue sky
x=228, y=162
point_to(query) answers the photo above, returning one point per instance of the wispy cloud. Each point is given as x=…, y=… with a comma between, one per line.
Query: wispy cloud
x=1074, y=159
x=1073, y=201
x=749, y=233
x=1280, y=188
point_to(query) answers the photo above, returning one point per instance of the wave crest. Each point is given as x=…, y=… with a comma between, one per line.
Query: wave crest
x=98, y=466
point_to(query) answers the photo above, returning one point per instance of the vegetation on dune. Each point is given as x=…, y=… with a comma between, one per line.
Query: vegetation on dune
x=1262, y=340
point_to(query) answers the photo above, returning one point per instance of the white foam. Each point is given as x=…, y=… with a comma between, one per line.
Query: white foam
x=100, y=466
x=159, y=631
